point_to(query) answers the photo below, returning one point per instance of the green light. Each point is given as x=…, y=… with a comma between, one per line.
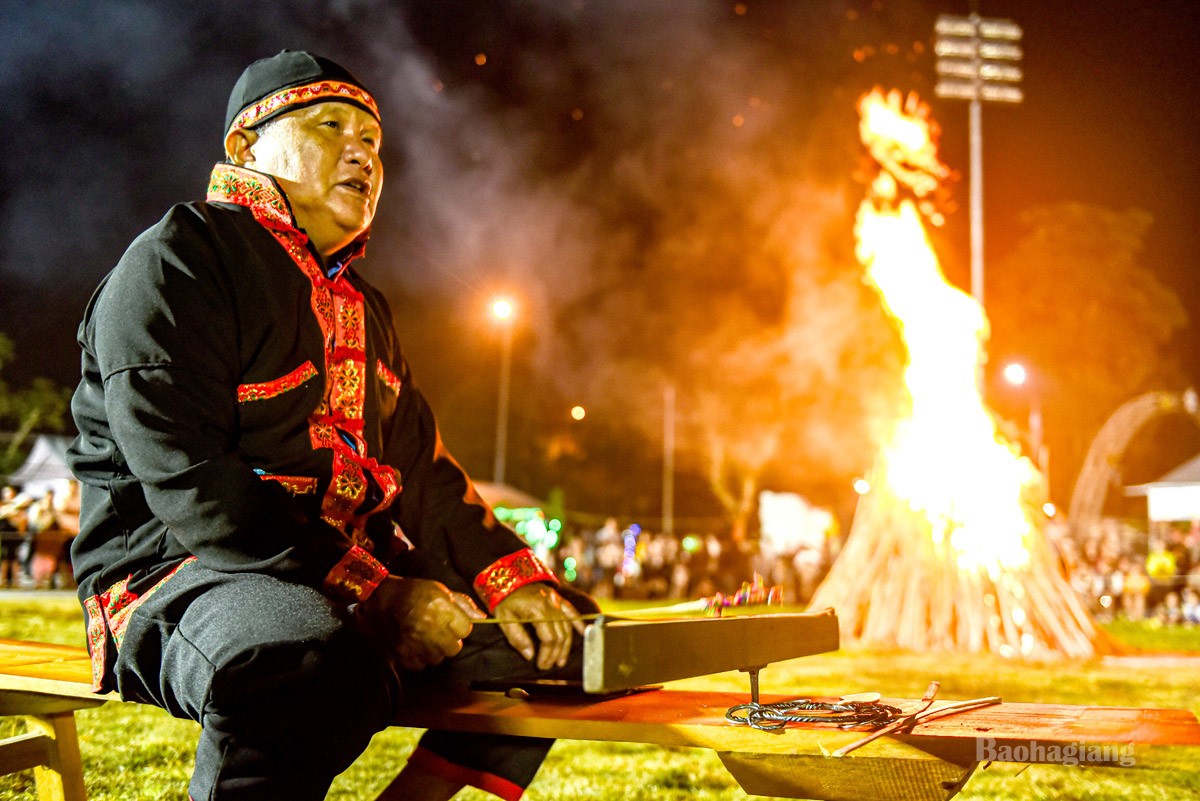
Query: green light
x=569, y=564
x=536, y=529
x=691, y=543
x=570, y=575
x=555, y=525
x=551, y=539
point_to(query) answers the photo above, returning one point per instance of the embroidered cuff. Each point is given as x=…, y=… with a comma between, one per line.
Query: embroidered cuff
x=356, y=576
x=508, y=573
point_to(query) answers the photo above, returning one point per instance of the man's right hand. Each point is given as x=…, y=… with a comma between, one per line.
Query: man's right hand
x=421, y=620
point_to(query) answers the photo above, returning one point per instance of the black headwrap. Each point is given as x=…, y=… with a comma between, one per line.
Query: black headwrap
x=290, y=80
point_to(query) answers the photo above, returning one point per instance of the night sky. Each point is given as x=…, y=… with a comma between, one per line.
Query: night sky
x=508, y=123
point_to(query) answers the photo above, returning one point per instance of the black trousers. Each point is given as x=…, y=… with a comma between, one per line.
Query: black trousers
x=289, y=690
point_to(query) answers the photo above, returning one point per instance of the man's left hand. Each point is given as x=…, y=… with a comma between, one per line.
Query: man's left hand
x=553, y=618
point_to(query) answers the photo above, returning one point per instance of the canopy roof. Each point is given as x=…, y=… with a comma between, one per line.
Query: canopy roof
x=506, y=496
x=46, y=465
x=1183, y=475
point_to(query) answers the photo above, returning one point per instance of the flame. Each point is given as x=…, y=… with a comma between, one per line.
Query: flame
x=946, y=459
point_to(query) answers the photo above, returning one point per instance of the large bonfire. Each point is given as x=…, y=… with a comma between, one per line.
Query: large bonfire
x=947, y=550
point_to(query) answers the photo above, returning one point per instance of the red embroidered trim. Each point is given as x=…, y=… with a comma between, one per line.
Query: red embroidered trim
x=346, y=385
x=230, y=183
x=120, y=603
x=108, y=614
x=351, y=325
x=278, y=386
x=340, y=313
x=297, y=485
x=321, y=434
x=389, y=482
x=304, y=94
x=497, y=580
x=347, y=489
x=387, y=376
x=488, y=782
x=356, y=576
x=97, y=641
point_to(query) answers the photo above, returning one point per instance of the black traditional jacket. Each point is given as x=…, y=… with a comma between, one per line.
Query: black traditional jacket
x=247, y=407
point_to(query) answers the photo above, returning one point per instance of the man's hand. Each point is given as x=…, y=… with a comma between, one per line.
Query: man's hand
x=554, y=618
x=422, y=621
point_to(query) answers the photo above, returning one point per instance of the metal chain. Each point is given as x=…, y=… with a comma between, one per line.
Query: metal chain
x=845, y=714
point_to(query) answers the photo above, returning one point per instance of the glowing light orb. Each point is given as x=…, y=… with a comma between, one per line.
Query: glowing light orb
x=503, y=308
x=1015, y=374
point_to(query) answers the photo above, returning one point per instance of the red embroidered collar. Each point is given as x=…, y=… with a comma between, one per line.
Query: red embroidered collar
x=257, y=191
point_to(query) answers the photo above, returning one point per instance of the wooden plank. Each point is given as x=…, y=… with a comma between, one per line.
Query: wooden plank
x=1071, y=723
x=54, y=670
x=676, y=717
x=622, y=654
x=23, y=752
x=687, y=718
x=21, y=651
x=864, y=777
x=22, y=702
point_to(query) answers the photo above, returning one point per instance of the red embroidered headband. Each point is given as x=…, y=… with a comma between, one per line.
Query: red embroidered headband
x=303, y=96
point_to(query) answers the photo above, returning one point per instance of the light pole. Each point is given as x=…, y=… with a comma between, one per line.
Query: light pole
x=502, y=311
x=1016, y=375
x=668, y=478
x=977, y=62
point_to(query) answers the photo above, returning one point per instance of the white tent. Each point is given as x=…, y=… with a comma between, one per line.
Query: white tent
x=1175, y=496
x=45, y=468
x=507, y=496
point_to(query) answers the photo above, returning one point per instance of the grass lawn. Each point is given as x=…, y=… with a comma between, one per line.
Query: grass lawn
x=137, y=753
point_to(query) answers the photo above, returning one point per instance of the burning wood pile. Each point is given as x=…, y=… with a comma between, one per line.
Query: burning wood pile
x=947, y=550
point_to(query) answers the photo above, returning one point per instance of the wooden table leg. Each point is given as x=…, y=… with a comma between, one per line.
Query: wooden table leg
x=61, y=778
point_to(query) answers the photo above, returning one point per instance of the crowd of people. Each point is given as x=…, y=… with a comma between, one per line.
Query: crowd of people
x=1118, y=571
x=35, y=536
x=635, y=563
x=1122, y=571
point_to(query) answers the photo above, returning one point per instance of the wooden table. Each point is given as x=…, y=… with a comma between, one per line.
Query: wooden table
x=47, y=683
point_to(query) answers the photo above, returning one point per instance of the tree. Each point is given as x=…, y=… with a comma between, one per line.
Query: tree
x=1075, y=301
x=39, y=405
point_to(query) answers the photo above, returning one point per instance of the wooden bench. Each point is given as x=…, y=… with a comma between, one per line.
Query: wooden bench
x=47, y=683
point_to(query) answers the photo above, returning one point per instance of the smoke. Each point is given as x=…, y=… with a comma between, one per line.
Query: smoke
x=644, y=176
x=617, y=161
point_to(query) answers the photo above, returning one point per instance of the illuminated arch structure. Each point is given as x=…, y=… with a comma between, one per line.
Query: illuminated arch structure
x=1100, y=466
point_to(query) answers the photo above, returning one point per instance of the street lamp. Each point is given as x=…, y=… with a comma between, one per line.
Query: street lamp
x=1017, y=375
x=503, y=311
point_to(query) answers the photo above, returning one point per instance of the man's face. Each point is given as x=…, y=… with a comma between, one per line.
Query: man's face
x=326, y=159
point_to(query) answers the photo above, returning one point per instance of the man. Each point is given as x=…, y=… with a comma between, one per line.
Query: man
x=274, y=541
